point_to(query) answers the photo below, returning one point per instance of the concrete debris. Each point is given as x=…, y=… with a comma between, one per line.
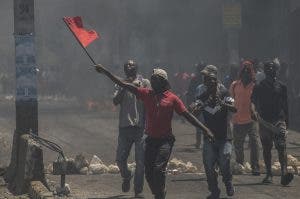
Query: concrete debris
x=276, y=170
x=298, y=170
x=176, y=166
x=292, y=161
x=236, y=168
x=262, y=167
x=80, y=162
x=97, y=166
x=96, y=160
x=131, y=166
x=291, y=170
x=84, y=171
x=114, y=169
x=247, y=167
x=293, y=167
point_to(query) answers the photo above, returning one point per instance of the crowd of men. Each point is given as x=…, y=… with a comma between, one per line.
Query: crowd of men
x=255, y=104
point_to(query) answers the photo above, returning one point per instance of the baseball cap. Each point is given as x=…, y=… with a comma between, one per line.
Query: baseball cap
x=160, y=72
x=210, y=70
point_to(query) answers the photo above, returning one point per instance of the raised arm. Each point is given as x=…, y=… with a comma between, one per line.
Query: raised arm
x=130, y=87
x=195, y=122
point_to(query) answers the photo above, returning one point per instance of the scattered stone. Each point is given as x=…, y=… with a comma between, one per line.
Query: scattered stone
x=247, y=167
x=131, y=166
x=98, y=168
x=176, y=166
x=292, y=161
x=114, y=169
x=96, y=160
x=80, y=162
x=276, y=170
x=175, y=172
x=298, y=170
x=190, y=168
x=84, y=171
x=291, y=169
x=237, y=169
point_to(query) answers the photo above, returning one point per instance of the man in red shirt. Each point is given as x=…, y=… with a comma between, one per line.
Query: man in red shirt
x=160, y=103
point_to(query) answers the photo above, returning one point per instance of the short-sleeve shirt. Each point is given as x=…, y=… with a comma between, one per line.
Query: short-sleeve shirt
x=242, y=101
x=131, y=109
x=215, y=116
x=159, y=111
x=270, y=99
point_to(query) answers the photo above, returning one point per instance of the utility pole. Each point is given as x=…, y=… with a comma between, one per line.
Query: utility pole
x=25, y=61
x=27, y=156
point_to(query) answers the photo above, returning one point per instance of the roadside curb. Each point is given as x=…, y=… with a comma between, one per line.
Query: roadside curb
x=38, y=191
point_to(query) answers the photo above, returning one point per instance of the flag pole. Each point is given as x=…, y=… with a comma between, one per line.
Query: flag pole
x=85, y=50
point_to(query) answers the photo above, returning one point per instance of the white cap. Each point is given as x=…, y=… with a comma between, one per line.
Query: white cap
x=160, y=72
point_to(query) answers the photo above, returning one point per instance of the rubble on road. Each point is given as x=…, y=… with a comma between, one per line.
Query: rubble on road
x=236, y=168
x=113, y=169
x=81, y=162
x=176, y=166
x=293, y=167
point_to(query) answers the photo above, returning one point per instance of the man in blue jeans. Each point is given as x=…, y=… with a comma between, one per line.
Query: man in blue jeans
x=131, y=128
x=214, y=103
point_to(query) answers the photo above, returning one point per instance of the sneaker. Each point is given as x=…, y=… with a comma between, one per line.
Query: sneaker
x=214, y=195
x=268, y=179
x=126, y=184
x=229, y=189
x=286, y=179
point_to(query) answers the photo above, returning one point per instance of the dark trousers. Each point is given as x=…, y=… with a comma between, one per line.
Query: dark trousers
x=267, y=139
x=157, y=154
x=127, y=137
x=218, y=152
x=198, y=137
x=240, y=131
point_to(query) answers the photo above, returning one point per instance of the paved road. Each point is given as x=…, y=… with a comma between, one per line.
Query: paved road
x=90, y=133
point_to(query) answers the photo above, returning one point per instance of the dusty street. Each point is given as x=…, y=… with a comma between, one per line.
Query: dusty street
x=80, y=131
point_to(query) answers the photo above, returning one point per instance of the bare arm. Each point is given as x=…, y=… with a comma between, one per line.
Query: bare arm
x=195, y=122
x=130, y=87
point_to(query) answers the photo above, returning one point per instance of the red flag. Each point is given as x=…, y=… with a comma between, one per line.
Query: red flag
x=85, y=37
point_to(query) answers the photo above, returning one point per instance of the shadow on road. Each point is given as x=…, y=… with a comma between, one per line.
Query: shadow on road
x=189, y=180
x=187, y=150
x=115, y=197
x=249, y=184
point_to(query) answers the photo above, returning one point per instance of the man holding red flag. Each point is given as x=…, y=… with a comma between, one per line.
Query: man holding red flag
x=160, y=103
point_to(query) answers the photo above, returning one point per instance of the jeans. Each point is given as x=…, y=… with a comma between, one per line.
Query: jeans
x=240, y=131
x=157, y=154
x=213, y=153
x=267, y=138
x=128, y=136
